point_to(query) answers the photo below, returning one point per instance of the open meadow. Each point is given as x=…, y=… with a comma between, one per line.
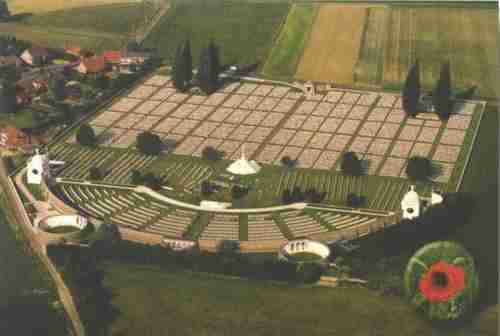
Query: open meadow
x=243, y=31
x=379, y=42
x=36, y=6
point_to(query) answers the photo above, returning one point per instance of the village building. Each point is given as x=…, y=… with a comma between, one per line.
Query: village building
x=35, y=56
x=11, y=60
x=12, y=138
x=92, y=65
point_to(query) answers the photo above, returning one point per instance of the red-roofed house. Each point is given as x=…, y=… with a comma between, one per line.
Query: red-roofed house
x=112, y=56
x=13, y=138
x=92, y=65
x=74, y=50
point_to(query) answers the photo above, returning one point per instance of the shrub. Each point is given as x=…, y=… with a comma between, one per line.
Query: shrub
x=149, y=143
x=419, y=168
x=136, y=177
x=152, y=181
x=288, y=161
x=351, y=164
x=354, y=200
x=96, y=174
x=238, y=191
x=211, y=154
x=85, y=136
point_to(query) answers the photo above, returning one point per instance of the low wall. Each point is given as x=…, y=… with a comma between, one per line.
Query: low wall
x=76, y=221
x=140, y=237
x=245, y=246
x=56, y=203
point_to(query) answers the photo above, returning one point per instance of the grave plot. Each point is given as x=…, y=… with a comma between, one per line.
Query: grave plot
x=322, y=109
x=255, y=118
x=308, y=158
x=341, y=110
x=164, y=109
x=146, y=107
x=409, y=132
x=348, y=126
x=388, y=130
x=106, y=119
x=188, y=145
x=184, y=110
x=360, y=144
x=368, y=99
x=228, y=147
x=125, y=104
x=157, y=80
x=250, y=149
x=386, y=100
x=143, y=91
x=358, y=112
x=126, y=139
x=401, y=148
x=421, y=149
x=350, y=98
x=370, y=128
x=167, y=124
x=238, y=116
x=185, y=126
x=163, y=94
x=263, y=90
x=220, y=114
x=201, y=112
x=372, y=163
x=312, y=123
x=446, y=153
x=260, y=134
x=279, y=91
x=327, y=159
x=129, y=120
x=272, y=119
x=428, y=134
x=223, y=131
x=380, y=113
x=307, y=107
x=234, y=101
x=241, y=132
x=295, y=121
x=269, y=153
x=339, y=142
x=205, y=128
x=379, y=146
x=301, y=138
x=177, y=97
x=334, y=96
x=320, y=140
x=452, y=137
x=246, y=88
x=282, y=137
x=197, y=100
x=214, y=143
x=285, y=105
x=392, y=167
x=290, y=151
x=230, y=88
x=251, y=102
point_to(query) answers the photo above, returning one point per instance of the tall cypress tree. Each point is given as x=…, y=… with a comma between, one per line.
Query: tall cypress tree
x=214, y=58
x=188, y=61
x=179, y=70
x=207, y=76
x=411, y=90
x=442, y=93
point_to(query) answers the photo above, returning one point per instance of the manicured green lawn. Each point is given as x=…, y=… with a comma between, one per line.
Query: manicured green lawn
x=287, y=50
x=243, y=31
x=164, y=301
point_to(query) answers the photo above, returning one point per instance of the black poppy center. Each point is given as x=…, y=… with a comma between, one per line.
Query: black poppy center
x=440, y=279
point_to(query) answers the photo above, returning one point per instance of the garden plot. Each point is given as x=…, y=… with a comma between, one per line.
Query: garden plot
x=255, y=118
x=367, y=99
x=282, y=137
x=370, y=128
x=129, y=120
x=428, y=134
x=246, y=88
x=230, y=88
x=308, y=158
x=184, y=110
x=260, y=134
x=295, y=95
x=250, y=149
x=301, y=138
x=313, y=123
x=409, y=132
x=279, y=92
x=147, y=107
x=372, y=163
x=127, y=139
x=228, y=147
x=402, y=148
x=315, y=97
x=205, y=128
x=341, y=110
x=295, y=121
x=241, y=132
x=189, y=145
x=215, y=99
x=157, y=80
x=167, y=125
x=125, y=104
x=221, y=113
x=272, y=119
x=358, y=112
x=446, y=153
x=339, y=142
x=320, y=140
x=285, y=105
x=234, y=101
x=237, y=116
x=177, y=97
x=268, y=104
x=392, y=167
x=201, y=112
x=163, y=94
x=379, y=146
x=327, y=160
x=185, y=126
x=197, y=100
x=387, y=100
x=269, y=153
x=143, y=91
x=164, y=109
x=292, y=152
x=322, y=109
x=251, y=102
x=421, y=149
x=348, y=126
x=460, y=122
x=452, y=137
x=388, y=130
x=395, y=115
x=330, y=125
x=223, y=131
x=334, y=96
x=360, y=144
x=263, y=90
x=106, y=119
x=307, y=107
x=350, y=98
x=380, y=113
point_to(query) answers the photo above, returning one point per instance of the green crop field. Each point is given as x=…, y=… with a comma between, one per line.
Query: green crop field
x=394, y=36
x=244, y=31
x=290, y=43
x=166, y=301
x=116, y=18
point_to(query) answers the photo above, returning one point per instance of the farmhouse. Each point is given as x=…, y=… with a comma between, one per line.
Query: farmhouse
x=92, y=65
x=35, y=56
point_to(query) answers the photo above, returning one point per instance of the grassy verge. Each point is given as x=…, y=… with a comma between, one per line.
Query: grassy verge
x=285, y=54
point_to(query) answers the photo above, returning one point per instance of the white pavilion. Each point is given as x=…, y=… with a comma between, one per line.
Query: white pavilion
x=39, y=167
x=410, y=204
x=242, y=166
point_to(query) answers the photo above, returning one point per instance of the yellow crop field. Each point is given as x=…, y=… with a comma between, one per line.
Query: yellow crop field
x=334, y=44
x=40, y=6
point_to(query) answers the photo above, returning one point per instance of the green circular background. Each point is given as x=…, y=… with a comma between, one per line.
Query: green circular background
x=451, y=253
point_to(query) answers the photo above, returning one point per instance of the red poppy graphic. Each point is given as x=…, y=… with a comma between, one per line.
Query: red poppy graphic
x=442, y=282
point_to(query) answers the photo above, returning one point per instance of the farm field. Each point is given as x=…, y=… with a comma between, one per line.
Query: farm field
x=244, y=31
x=387, y=39
x=145, y=293
x=324, y=59
x=119, y=18
x=36, y=6
x=291, y=41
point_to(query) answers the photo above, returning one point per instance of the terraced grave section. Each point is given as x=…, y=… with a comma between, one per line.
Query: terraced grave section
x=275, y=121
x=131, y=209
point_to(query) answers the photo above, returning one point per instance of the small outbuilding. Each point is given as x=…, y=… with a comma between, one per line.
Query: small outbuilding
x=410, y=204
x=242, y=166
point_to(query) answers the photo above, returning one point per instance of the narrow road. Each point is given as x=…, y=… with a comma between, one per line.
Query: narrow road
x=24, y=222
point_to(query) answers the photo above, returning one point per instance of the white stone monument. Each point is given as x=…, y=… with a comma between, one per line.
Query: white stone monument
x=410, y=204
